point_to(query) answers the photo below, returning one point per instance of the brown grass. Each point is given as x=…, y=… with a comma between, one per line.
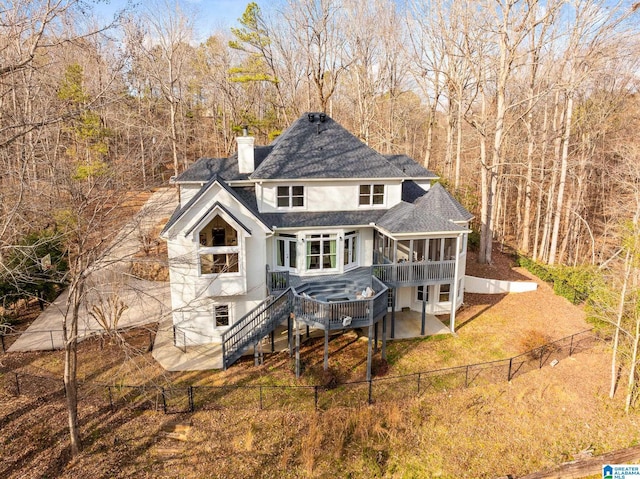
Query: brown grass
x=542, y=418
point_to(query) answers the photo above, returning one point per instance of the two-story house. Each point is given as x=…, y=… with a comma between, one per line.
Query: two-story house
x=318, y=227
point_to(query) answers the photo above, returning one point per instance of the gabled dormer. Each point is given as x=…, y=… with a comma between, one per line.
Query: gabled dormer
x=210, y=239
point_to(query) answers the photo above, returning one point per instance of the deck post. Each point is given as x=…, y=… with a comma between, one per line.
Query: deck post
x=290, y=335
x=384, y=337
x=369, y=345
x=454, y=288
x=424, y=310
x=326, y=348
x=375, y=339
x=452, y=312
x=256, y=361
x=369, y=353
x=307, y=331
x=297, y=326
x=273, y=341
x=393, y=313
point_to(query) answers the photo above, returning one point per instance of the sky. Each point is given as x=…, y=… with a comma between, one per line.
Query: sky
x=209, y=15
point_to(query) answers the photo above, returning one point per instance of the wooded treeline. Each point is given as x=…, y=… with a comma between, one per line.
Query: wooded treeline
x=529, y=111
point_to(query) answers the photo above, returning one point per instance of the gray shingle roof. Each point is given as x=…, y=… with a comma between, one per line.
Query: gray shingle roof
x=410, y=167
x=411, y=191
x=409, y=218
x=323, y=219
x=323, y=150
x=225, y=168
x=440, y=200
x=241, y=196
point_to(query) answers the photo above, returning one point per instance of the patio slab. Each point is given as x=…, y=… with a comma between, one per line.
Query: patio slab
x=209, y=356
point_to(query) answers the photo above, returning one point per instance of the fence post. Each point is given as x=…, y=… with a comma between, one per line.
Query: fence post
x=418, y=384
x=51, y=335
x=17, y=384
x=110, y=398
x=261, y=397
x=315, y=396
x=164, y=402
x=542, y=351
x=191, y=404
x=466, y=377
x=509, y=373
x=370, y=391
x=571, y=345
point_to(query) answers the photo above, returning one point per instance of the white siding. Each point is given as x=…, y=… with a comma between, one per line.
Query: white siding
x=193, y=295
x=187, y=192
x=327, y=196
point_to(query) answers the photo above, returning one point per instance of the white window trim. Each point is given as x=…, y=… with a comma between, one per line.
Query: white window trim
x=425, y=288
x=371, y=204
x=238, y=249
x=332, y=236
x=290, y=197
x=292, y=238
x=220, y=250
x=449, y=293
x=229, y=315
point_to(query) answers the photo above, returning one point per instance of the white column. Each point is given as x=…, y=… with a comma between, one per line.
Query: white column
x=454, y=289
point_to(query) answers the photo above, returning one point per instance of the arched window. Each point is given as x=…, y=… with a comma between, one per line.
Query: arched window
x=219, y=249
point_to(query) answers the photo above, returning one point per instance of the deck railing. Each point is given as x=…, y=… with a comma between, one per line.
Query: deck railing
x=254, y=326
x=277, y=281
x=331, y=314
x=414, y=274
x=263, y=319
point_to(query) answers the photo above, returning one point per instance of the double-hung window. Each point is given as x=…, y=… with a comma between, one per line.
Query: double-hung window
x=445, y=291
x=371, y=195
x=290, y=196
x=321, y=252
x=221, y=315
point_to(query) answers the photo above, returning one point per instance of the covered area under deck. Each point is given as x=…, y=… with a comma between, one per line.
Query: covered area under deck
x=395, y=276
x=334, y=304
x=357, y=299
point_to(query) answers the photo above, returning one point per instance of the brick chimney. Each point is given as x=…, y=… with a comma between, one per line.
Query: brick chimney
x=246, y=162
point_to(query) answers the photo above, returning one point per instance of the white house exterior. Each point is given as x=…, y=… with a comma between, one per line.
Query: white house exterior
x=316, y=211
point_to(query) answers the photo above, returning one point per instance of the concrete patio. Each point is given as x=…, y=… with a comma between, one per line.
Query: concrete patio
x=209, y=356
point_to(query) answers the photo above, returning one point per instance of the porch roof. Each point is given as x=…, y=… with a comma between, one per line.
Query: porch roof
x=406, y=218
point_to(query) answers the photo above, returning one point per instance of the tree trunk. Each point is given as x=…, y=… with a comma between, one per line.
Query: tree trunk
x=456, y=183
x=563, y=179
x=628, y=267
x=631, y=384
x=484, y=255
x=70, y=337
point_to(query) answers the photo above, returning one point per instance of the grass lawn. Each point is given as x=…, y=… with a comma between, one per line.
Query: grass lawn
x=539, y=419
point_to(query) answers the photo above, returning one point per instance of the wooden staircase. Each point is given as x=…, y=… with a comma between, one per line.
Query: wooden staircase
x=254, y=326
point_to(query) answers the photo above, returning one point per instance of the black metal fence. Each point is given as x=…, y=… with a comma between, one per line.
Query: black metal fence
x=188, y=398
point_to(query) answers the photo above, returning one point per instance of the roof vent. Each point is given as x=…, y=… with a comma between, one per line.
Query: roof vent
x=323, y=117
x=311, y=117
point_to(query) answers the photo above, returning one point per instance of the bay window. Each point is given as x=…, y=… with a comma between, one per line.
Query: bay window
x=321, y=252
